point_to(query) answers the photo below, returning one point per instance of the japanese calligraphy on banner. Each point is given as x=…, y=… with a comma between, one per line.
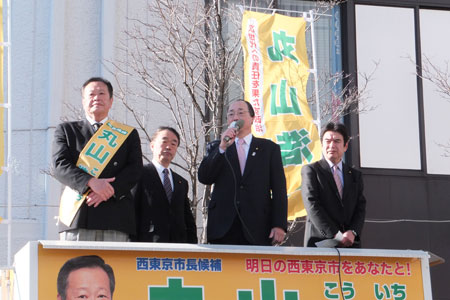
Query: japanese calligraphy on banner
x=276, y=73
x=197, y=274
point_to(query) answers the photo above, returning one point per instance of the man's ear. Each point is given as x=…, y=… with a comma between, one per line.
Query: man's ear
x=346, y=146
x=58, y=297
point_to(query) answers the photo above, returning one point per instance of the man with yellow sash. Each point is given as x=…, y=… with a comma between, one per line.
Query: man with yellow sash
x=99, y=161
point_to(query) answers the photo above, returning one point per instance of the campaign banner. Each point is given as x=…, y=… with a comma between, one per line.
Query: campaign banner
x=174, y=272
x=275, y=76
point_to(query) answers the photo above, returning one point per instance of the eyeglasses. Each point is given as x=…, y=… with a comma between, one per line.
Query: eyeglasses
x=240, y=113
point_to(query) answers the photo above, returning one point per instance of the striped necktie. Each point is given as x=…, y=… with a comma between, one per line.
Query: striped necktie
x=167, y=185
x=337, y=179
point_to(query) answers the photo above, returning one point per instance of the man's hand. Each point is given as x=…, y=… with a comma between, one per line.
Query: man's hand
x=102, y=187
x=93, y=199
x=349, y=238
x=231, y=134
x=277, y=235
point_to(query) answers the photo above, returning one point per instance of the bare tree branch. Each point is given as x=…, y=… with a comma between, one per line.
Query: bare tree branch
x=349, y=99
x=437, y=75
x=184, y=58
x=181, y=59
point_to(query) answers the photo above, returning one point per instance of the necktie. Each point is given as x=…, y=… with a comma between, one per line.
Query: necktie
x=337, y=179
x=97, y=126
x=241, y=154
x=167, y=184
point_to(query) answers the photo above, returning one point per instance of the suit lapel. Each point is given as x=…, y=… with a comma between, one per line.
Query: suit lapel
x=348, y=180
x=234, y=160
x=83, y=134
x=159, y=188
x=329, y=177
x=252, y=157
x=176, y=186
x=86, y=129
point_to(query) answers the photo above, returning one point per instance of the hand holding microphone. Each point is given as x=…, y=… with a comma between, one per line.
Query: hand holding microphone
x=236, y=125
x=230, y=133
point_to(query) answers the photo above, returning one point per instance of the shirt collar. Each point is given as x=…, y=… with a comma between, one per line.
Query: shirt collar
x=339, y=164
x=159, y=167
x=247, y=139
x=92, y=121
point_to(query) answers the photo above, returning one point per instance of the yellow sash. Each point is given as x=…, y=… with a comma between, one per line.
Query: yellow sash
x=93, y=159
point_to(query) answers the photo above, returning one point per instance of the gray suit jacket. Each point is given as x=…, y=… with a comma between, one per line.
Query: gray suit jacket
x=327, y=211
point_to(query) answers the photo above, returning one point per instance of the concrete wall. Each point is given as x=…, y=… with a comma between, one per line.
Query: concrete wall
x=56, y=46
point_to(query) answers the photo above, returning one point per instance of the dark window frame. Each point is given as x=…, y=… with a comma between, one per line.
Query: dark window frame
x=349, y=63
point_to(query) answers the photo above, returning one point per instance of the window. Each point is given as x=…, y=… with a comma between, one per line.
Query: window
x=389, y=134
x=435, y=50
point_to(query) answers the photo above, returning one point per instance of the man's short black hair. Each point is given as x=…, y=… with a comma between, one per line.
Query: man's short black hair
x=99, y=79
x=80, y=262
x=162, y=128
x=336, y=127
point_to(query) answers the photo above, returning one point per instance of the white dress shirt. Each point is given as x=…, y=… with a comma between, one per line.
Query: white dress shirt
x=160, y=169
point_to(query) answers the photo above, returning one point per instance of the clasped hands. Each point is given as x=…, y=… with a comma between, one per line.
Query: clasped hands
x=101, y=190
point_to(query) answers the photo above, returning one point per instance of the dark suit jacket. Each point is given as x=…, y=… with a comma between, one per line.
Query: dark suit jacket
x=117, y=213
x=259, y=194
x=327, y=212
x=157, y=219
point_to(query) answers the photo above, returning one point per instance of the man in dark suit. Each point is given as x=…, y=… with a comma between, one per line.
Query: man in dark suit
x=108, y=212
x=163, y=209
x=249, y=203
x=333, y=193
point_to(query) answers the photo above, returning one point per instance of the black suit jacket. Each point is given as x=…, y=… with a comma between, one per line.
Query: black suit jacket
x=259, y=194
x=117, y=213
x=159, y=220
x=327, y=212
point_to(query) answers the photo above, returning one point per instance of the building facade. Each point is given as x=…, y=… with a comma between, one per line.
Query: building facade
x=400, y=144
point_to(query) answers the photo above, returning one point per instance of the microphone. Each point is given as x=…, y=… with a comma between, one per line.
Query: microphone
x=236, y=125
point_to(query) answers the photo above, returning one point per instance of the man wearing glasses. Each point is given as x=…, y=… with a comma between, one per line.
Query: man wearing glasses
x=249, y=202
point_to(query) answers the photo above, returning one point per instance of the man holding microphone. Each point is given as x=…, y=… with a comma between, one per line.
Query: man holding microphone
x=249, y=202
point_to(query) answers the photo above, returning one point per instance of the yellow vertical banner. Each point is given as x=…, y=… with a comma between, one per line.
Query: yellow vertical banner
x=276, y=74
x=2, y=99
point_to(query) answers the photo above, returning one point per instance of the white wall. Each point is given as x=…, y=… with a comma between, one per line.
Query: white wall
x=56, y=46
x=29, y=82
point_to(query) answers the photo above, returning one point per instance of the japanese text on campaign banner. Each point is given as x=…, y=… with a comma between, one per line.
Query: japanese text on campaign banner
x=178, y=264
x=314, y=267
